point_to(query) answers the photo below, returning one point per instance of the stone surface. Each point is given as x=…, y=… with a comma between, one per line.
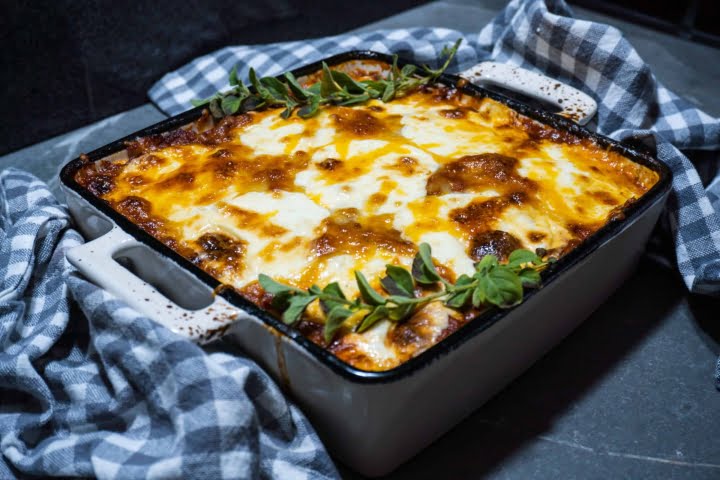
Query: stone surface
x=629, y=394
x=45, y=159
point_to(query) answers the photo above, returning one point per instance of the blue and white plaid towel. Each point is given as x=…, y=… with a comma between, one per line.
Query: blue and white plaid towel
x=90, y=388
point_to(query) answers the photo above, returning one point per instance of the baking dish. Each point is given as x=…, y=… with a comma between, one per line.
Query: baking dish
x=373, y=420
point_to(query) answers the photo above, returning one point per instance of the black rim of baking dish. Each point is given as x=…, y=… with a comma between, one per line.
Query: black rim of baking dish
x=465, y=333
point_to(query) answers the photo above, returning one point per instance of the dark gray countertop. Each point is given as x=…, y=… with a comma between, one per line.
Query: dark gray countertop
x=629, y=394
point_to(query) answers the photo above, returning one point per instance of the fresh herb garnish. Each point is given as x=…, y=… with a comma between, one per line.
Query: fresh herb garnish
x=334, y=88
x=493, y=283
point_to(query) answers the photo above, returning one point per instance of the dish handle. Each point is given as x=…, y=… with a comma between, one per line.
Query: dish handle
x=96, y=260
x=573, y=104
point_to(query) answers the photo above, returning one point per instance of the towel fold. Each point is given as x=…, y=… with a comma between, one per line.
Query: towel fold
x=90, y=388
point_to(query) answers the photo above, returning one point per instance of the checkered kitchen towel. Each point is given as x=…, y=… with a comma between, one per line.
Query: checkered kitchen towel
x=90, y=388
x=542, y=36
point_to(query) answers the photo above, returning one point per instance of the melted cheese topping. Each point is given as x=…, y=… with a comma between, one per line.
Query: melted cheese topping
x=310, y=201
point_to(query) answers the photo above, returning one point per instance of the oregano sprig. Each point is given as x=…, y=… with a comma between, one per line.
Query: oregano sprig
x=334, y=88
x=493, y=283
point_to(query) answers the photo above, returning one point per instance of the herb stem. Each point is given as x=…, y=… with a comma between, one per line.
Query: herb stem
x=344, y=301
x=334, y=88
x=492, y=283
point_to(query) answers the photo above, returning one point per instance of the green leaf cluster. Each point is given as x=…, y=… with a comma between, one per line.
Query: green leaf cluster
x=493, y=283
x=334, y=88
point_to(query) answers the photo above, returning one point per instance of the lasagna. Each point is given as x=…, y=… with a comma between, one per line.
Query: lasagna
x=311, y=201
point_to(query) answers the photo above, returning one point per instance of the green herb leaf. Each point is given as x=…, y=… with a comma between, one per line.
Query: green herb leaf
x=401, y=312
x=373, y=88
x=389, y=285
x=297, y=90
x=404, y=300
x=486, y=263
x=334, y=321
x=346, y=82
x=478, y=294
x=460, y=298
x=425, y=254
x=334, y=289
x=522, y=257
x=402, y=279
x=327, y=83
x=261, y=90
x=273, y=287
x=502, y=287
x=529, y=277
x=389, y=92
x=216, y=109
x=423, y=267
x=296, y=306
x=408, y=70
x=369, y=294
x=242, y=90
x=375, y=316
x=276, y=88
x=252, y=102
x=233, y=78
x=311, y=108
x=280, y=300
x=462, y=281
x=336, y=295
x=287, y=112
x=230, y=104
x=355, y=99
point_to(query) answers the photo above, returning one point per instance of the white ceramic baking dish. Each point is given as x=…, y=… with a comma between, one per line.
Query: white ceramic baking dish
x=374, y=421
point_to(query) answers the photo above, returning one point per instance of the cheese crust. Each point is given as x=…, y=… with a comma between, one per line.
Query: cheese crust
x=309, y=201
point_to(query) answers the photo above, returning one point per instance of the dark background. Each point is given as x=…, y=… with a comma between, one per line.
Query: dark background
x=67, y=63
